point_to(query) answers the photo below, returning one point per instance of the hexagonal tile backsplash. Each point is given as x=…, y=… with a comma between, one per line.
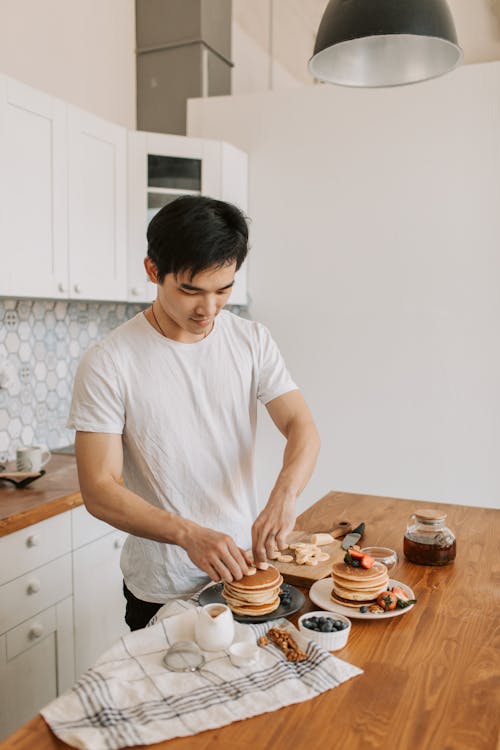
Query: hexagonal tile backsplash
x=42, y=342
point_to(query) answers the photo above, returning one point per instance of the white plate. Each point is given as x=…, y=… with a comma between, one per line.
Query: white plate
x=319, y=593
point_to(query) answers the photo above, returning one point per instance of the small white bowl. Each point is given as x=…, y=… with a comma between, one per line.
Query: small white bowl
x=332, y=641
x=243, y=653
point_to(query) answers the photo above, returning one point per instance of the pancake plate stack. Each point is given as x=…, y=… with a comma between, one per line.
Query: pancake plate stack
x=355, y=587
x=257, y=594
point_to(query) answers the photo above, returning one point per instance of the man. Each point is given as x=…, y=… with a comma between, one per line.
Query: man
x=169, y=400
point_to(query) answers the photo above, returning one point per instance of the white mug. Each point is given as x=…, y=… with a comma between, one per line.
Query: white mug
x=32, y=457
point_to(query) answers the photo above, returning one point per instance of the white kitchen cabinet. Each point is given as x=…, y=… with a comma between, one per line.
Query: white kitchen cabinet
x=36, y=664
x=98, y=601
x=61, y=606
x=63, y=195
x=33, y=192
x=163, y=167
x=36, y=619
x=97, y=199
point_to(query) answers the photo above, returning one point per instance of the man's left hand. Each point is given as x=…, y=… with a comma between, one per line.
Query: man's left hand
x=272, y=526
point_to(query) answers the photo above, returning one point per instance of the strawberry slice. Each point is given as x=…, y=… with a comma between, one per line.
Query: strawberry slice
x=367, y=561
x=356, y=554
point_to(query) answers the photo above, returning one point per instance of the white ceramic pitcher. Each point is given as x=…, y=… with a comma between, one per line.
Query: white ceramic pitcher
x=214, y=627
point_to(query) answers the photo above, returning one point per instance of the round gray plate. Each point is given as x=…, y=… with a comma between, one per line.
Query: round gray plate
x=213, y=595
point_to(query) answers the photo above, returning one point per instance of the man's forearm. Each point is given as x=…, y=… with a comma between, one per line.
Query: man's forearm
x=299, y=460
x=123, y=509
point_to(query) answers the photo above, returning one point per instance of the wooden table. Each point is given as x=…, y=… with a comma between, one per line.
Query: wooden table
x=431, y=679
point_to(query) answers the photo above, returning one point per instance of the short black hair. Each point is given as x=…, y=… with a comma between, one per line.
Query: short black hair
x=193, y=233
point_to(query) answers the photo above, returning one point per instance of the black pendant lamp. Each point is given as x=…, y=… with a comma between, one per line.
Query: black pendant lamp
x=384, y=42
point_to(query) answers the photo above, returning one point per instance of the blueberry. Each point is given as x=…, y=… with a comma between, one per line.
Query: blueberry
x=322, y=620
x=308, y=624
x=329, y=626
x=363, y=609
x=324, y=627
x=338, y=624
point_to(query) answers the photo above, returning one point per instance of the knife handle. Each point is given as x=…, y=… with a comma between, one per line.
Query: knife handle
x=342, y=528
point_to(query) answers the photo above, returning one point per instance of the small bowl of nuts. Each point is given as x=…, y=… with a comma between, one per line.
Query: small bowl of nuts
x=327, y=629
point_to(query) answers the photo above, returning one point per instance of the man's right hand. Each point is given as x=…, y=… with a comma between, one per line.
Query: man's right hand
x=216, y=554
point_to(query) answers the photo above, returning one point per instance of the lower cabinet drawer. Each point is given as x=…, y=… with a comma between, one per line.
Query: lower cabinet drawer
x=30, y=632
x=23, y=597
x=33, y=546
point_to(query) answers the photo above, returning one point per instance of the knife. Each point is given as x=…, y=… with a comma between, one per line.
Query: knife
x=353, y=538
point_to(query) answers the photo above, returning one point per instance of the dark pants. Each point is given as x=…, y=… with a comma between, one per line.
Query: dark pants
x=137, y=612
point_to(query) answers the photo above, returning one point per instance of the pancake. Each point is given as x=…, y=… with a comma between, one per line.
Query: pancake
x=355, y=587
x=349, y=603
x=254, y=610
x=257, y=594
x=262, y=579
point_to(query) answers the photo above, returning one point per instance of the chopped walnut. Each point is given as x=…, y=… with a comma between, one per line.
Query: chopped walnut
x=286, y=643
x=375, y=609
x=262, y=641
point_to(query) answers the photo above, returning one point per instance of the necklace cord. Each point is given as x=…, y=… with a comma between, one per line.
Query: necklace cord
x=161, y=329
x=156, y=320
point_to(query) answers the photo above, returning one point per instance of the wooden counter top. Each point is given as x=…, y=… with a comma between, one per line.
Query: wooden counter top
x=53, y=493
x=431, y=677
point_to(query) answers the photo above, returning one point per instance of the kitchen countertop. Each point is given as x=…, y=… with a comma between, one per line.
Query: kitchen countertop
x=55, y=492
x=431, y=677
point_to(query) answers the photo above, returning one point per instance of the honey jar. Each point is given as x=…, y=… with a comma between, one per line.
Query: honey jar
x=428, y=541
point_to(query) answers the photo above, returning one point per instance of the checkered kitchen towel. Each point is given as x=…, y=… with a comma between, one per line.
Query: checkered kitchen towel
x=129, y=698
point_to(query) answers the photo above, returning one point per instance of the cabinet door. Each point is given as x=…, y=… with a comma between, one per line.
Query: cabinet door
x=36, y=665
x=33, y=192
x=97, y=207
x=99, y=604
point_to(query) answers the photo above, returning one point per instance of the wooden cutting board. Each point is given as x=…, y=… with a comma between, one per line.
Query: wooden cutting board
x=306, y=575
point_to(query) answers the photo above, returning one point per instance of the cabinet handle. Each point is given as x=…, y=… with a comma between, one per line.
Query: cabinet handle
x=33, y=540
x=117, y=543
x=36, y=630
x=136, y=291
x=77, y=288
x=33, y=587
x=61, y=287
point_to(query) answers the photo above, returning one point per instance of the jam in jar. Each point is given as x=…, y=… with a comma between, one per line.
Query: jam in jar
x=428, y=541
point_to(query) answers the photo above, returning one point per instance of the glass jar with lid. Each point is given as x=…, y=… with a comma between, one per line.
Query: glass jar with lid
x=428, y=541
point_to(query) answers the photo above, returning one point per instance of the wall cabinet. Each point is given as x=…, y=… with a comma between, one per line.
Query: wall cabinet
x=97, y=198
x=77, y=194
x=61, y=606
x=63, y=192
x=163, y=167
x=33, y=192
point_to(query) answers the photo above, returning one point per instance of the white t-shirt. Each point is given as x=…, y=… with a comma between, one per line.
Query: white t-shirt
x=187, y=413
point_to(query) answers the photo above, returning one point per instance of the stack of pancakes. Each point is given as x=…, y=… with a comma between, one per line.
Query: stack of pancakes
x=354, y=587
x=257, y=594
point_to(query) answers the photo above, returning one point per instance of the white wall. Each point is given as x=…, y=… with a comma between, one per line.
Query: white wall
x=376, y=264
x=82, y=51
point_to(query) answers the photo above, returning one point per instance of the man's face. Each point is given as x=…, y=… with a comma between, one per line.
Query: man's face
x=191, y=304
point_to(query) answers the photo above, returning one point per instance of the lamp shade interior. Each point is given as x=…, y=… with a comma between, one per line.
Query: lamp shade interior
x=384, y=43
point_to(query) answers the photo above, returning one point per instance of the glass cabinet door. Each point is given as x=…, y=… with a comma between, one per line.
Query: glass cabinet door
x=169, y=177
